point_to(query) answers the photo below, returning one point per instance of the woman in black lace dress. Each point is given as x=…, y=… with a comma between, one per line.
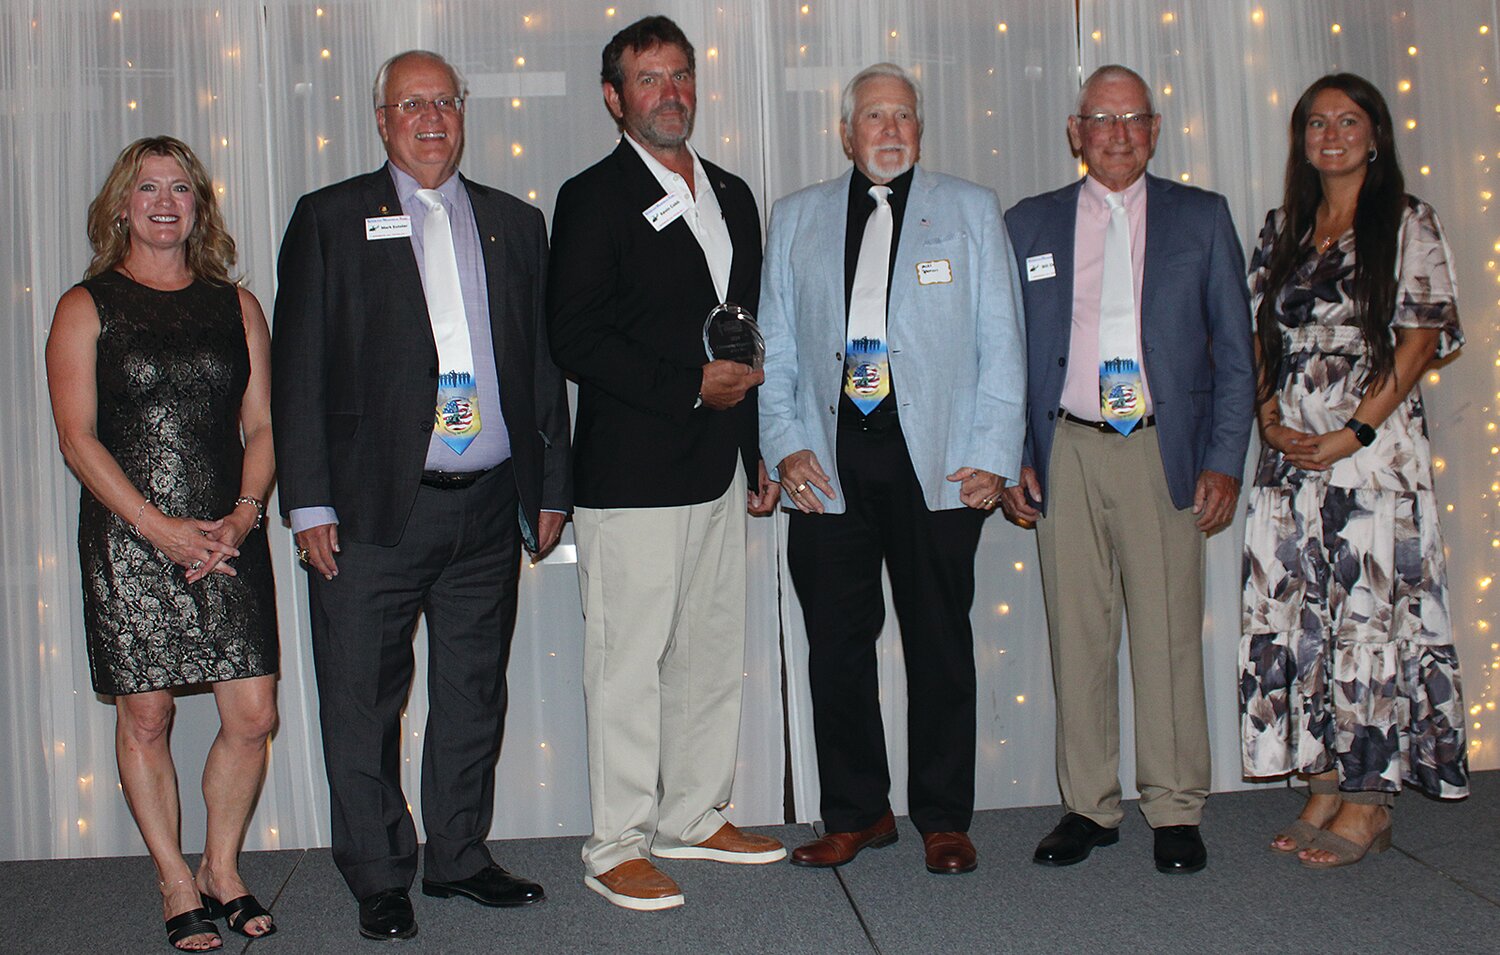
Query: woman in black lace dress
x=158, y=370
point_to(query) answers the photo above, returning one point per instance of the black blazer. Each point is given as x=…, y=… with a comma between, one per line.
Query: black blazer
x=625, y=307
x=354, y=364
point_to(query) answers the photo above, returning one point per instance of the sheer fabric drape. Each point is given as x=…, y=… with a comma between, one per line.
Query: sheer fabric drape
x=275, y=97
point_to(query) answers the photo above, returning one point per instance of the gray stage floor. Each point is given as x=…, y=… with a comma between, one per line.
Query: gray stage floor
x=1438, y=890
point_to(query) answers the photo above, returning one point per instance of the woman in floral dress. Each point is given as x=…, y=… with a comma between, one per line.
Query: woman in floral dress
x=1348, y=673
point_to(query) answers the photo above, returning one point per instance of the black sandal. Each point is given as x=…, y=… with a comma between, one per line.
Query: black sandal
x=237, y=913
x=190, y=923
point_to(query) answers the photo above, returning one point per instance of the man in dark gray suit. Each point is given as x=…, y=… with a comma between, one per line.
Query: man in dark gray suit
x=422, y=437
x=1140, y=403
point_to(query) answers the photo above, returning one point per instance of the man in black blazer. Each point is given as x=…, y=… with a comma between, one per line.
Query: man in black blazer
x=399, y=503
x=644, y=244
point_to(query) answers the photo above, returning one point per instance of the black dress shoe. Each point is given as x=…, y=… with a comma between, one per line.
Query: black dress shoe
x=491, y=885
x=1071, y=841
x=1179, y=849
x=387, y=915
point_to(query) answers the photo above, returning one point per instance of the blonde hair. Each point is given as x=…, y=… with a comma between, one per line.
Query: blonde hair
x=210, y=249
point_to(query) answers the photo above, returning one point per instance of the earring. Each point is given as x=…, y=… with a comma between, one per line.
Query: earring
x=1374, y=153
x=123, y=224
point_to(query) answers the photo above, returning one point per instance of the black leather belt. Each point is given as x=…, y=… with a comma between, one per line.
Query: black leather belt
x=1104, y=427
x=451, y=480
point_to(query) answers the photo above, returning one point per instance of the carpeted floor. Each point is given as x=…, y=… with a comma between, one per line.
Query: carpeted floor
x=1438, y=891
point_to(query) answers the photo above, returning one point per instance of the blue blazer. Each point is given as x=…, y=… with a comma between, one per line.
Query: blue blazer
x=956, y=347
x=1195, y=328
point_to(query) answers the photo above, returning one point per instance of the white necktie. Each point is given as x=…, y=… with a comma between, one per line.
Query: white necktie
x=867, y=371
x=457, y=412
x=1121, y=397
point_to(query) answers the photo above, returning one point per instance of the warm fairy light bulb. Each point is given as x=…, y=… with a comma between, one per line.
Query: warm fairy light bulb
x=1425, y=170
x=1097, y=35
x=1003, y=609
x=1404, y=86
x=1257, y=16
x=1002, y=26
x=1168, y=17
x=1411, y=51
x=1020, y=697
x=1019, y=566
x=520, y=61
x=531, y=194
x=1411, y=124
x=1336, y=28
x=713, y=53
x=326, y=54
x=115, y=16
x=893, y=34
x=1184, y=177
x=515, y=149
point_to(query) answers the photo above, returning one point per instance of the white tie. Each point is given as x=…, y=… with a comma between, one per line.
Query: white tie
x=1121, y=397
x=867, y=378
x=457, y=420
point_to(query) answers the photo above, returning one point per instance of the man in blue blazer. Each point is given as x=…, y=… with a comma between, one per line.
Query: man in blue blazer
x=893, y=402
x=1139, y=413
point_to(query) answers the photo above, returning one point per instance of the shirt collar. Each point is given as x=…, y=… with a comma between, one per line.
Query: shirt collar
x=1094, y=192
x=661, y=172
x=406, y=186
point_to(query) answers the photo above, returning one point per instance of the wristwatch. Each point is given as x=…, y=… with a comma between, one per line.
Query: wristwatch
x=1362, y=431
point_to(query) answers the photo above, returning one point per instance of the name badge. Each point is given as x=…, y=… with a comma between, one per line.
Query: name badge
x=387, y=227
x=1040, y=267
x=666, y=210
x=936, y=272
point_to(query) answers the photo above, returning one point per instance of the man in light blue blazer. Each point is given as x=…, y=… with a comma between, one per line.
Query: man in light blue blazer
x=893, y=402
x=1138, y=419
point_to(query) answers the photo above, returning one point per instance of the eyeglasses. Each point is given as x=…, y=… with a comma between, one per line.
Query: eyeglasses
x=415, y=105
x=1099, y=122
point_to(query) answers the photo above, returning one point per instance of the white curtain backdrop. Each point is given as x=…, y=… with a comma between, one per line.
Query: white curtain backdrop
x=274, y=96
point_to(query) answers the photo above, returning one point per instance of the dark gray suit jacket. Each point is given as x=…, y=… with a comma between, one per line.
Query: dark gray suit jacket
x=354, y=364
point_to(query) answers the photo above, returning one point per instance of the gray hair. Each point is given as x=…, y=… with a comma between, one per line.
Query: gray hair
x=1112, y=71
x=384, y=73
x=846, y=111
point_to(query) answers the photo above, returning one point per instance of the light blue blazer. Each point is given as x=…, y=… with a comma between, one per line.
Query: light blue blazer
x=958, y=355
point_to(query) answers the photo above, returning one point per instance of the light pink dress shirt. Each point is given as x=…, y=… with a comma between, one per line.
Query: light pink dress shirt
x=1080, y=395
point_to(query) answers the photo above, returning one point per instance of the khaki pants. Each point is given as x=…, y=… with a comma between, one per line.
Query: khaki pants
x=663, y=667
x=1113, y=542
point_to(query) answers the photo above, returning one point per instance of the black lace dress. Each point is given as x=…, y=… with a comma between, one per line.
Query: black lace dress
x=171, y=371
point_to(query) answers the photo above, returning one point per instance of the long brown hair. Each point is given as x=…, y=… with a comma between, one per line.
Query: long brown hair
x=210, y=249
x=1377, y=222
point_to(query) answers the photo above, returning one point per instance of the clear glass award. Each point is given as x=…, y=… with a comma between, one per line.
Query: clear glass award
x=730, y=334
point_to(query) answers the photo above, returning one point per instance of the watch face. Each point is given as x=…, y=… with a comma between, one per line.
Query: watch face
x=1363, y=432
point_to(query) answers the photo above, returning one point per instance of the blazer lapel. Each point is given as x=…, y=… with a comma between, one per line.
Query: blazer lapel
x=1159, y=223
x=916, y=229
x=1059, y=241
x=397, y=258
x=499, y=277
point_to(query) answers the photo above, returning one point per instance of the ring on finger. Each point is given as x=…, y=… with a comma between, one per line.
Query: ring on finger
x=195, y=565
x=302, y=554
x=800, y=488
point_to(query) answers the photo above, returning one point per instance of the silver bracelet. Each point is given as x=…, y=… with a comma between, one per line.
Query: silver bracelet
x=258, y=504
x=135, y=526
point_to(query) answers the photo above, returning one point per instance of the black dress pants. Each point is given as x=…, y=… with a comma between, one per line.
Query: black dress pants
x=458, y=562
x=835, y=562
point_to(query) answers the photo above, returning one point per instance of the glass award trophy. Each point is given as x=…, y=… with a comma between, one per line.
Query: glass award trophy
x=730, y=334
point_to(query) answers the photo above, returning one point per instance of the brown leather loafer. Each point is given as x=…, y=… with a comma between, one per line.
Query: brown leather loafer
x=836, y=848
x=950, y=853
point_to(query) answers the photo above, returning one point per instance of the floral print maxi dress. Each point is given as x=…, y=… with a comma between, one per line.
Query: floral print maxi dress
x=1347, y=656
